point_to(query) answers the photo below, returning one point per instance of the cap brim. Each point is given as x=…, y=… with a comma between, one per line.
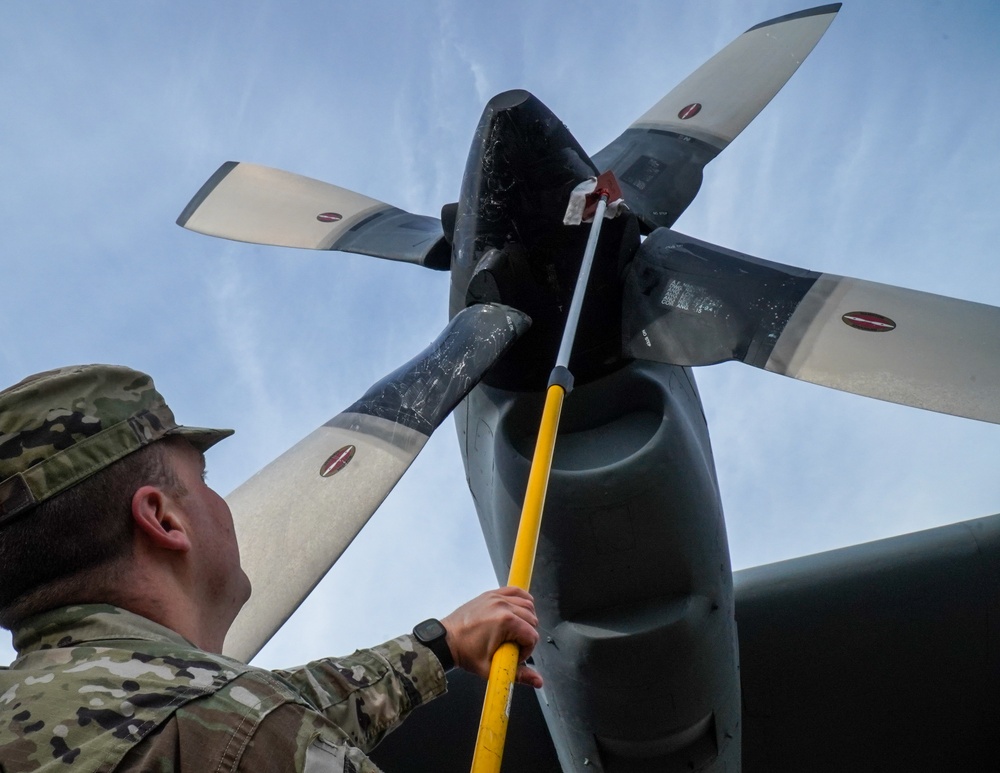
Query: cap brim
x=201, y=438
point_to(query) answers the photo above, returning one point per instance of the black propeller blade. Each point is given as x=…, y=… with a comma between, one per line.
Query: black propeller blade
x=689, y=302
x=252, y=203
x=297, y=515
x=659, y=159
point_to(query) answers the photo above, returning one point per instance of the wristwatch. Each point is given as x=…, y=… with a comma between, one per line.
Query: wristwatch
x=431, y=633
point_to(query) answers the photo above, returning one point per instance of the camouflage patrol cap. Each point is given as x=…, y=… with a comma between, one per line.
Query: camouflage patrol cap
x=61, y=426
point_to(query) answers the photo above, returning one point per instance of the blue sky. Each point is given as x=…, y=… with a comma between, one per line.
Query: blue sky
x=878, y=160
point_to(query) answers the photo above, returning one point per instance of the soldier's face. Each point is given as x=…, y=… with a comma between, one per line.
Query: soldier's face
x=215, y=550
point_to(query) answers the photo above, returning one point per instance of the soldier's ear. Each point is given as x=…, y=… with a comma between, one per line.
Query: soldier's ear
x=158, y=519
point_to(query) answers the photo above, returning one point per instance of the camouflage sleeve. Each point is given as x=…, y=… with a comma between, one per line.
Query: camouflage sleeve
x=203, y=736
x=304, y=742
x=318, y=719
x=369, y=693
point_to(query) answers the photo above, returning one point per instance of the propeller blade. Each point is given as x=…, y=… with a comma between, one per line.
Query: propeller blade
x=251, y=203
x=659, y=159
x=297, y=515
x=692, y=303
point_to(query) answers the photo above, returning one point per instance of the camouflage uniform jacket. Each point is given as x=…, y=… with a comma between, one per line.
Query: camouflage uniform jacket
x=97, y=688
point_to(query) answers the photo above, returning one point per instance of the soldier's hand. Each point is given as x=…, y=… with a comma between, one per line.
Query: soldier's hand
x=477, y=628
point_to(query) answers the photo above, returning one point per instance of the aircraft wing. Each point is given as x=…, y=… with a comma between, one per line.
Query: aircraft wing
x=659, y=159
x=881, y=656
x=253, y=203
x=297, y=515
x=688, y=302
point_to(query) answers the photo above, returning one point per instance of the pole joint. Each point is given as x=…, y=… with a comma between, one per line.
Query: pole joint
x=561, y=377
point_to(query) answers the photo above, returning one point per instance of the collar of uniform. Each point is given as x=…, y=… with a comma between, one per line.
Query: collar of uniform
x=76, y=625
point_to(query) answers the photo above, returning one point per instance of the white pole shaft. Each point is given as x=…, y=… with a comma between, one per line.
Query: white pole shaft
x=573, y=318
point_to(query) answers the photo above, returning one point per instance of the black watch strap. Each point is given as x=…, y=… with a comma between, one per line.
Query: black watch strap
x=431, y=633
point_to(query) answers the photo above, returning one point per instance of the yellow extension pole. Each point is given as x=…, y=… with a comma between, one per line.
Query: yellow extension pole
x=500, y=688
x=503, y=670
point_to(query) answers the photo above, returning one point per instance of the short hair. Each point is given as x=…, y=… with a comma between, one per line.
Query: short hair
x=74, y=547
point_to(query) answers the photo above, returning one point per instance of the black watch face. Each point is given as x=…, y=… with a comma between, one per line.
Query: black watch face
x=429, y=630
